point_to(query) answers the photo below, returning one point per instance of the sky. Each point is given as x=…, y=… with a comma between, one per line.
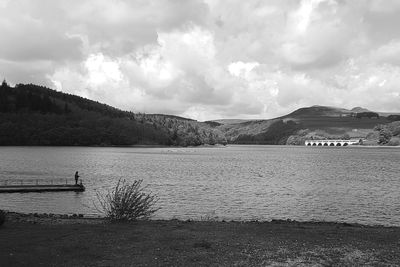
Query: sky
x=207, y=59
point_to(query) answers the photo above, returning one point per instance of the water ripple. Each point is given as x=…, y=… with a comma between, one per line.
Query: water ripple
x=237, y=182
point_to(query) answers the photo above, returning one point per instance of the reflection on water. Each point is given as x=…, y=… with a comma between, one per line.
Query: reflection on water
x=235, y=182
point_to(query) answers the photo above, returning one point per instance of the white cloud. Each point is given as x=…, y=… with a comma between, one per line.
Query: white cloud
x=388, y=53
x=208, y=59
x=241, y=69
x=101, y=70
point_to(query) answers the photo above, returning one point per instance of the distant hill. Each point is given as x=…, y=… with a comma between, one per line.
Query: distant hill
x=315, y=121
x=319, y=111
x=387, y=114
x=36, y=115
x=170, y=117
x=228, y=121
x=213, y=123
x=331, y=119
x=359, y=109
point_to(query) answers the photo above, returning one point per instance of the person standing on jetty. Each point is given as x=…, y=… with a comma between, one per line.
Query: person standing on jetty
x=76, y=177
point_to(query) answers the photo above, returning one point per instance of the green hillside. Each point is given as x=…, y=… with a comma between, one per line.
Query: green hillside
x=310, y=122
x=327, y=118
x=36, y=115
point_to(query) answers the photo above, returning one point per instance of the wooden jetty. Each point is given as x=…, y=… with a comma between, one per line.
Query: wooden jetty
x=39, y=186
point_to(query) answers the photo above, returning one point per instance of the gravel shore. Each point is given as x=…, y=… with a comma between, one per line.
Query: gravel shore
x=62, y=240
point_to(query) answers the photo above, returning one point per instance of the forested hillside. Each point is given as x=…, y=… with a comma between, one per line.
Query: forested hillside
x=263, y=132
x=36, y=115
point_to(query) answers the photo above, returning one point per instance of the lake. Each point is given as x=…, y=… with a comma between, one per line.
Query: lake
x=346, y=184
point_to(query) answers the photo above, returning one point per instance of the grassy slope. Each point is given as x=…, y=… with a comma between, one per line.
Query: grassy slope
x=249, y=127
x=176, y=243
x=326, y=118
x=341, y=124
x=324, y=121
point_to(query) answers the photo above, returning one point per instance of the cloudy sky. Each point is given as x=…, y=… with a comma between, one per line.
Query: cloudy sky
x=207, y=59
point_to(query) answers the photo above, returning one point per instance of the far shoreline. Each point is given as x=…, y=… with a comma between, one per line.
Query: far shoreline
x=200, y=146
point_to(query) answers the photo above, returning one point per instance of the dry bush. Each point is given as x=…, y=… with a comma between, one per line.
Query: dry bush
x=127, y=202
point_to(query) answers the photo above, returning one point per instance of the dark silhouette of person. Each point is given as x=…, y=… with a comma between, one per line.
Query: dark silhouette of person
x=76, y=177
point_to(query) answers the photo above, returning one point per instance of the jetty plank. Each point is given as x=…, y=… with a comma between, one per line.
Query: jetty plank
x=40, y=188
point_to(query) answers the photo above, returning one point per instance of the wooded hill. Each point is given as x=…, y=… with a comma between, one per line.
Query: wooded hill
x=318, y=122
x=36, y=115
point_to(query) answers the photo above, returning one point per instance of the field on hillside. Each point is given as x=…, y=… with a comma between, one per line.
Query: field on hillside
x=318, y=122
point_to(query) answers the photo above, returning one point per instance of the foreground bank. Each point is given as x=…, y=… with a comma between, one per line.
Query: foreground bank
x=61, y=241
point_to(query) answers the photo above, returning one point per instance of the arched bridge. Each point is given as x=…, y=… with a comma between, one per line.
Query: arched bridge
x=337, y=142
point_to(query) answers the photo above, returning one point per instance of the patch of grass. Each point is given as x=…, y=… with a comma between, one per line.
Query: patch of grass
x=202, y=244
x=182, y=243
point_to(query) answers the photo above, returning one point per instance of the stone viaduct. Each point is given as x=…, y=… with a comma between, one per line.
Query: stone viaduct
x=337, y=142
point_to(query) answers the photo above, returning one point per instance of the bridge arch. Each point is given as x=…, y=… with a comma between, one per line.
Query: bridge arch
x=331, y=142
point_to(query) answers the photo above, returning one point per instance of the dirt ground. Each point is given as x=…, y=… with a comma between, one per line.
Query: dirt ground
x=31, y=241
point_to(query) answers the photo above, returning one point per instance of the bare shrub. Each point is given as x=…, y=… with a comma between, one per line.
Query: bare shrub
x=127, y=202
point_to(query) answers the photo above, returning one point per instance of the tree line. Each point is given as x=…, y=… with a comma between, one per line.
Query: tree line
x=36, y=115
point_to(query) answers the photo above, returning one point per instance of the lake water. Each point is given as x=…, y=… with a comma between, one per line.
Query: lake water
x=348, y=184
